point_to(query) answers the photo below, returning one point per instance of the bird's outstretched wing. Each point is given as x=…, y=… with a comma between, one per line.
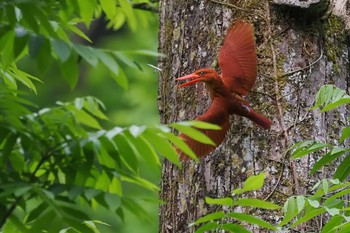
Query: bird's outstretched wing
x=217, y=115
x=237, y=58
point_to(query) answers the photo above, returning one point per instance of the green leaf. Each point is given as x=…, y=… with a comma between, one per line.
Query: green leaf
x=308, y=215
x=343, y=169
x=93, y=106
x=319, y=193
x=35, y=44
x=40, y=50
x=70, y=71
x=24, y=78
x=100, y=222
x=197, y=124
x=335, y=104
x=234, y=228
x=314, y=203
x=209, y=217
x=43, y=22
x=77, y=31
x=334, y=181
x=116, y=187
x=62, y=49
x=129, y=13
x=325, y=186
x=345, y=133
x=11, y=15
x=290, y=210
x=84, y=118
x=19, y=226
x=147, y=152
x=252, y=183
x=300, y=203
x=252, y=202
x=336, y=195
x=219, y=201
x=7, y=49
x=3, y=131
x=327, y=158
x=111, y=64
x=92, y=226
x=87, y=10
x=123, y=58
x=333, y=222
x=127, y=152
x=332, y=211
x=147, y=53
x=121, y=79
x=329, y=97
x=18, y=162
x=113, y=201
x=137, y=209
x=251, y=219
x=10, y=81
x=194, y=133
x=120, y=213
x=108, y=6
x=21, y=41
x=87, y=53
x=162, y=146
x=180, y=144
x=29, y=18
x=37, y=211
x=306, y=148
x=102, y=182
x=136, y=131
x=140, y=181
x=344, y=227
x=207, y=227
x=7, y=149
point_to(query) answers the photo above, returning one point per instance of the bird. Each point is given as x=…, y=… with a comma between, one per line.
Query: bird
x=237, y=60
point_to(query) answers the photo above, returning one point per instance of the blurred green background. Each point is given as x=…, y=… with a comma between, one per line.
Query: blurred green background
x=136, y=105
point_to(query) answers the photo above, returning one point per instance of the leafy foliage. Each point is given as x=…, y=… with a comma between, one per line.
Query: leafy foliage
x=50, y=160
x=328, y=198
x=42, y=29
x=328, y=98
x=221, y=220
x=59, y=164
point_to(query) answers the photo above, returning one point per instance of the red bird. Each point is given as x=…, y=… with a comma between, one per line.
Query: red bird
x=237, y=59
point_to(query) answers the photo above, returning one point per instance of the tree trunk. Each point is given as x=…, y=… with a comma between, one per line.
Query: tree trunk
x=296, y=55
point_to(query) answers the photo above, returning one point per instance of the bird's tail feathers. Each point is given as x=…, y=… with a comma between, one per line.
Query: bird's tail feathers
x=260, y=120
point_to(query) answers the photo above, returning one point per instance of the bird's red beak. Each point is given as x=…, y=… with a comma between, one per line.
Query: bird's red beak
x=195, y=78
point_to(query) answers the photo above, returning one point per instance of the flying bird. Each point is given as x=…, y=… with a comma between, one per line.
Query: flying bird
x=237, y=60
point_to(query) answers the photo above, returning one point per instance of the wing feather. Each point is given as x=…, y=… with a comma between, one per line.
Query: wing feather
x=237, y=58
x=215, y=115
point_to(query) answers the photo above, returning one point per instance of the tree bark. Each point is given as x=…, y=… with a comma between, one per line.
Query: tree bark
x=296, y=55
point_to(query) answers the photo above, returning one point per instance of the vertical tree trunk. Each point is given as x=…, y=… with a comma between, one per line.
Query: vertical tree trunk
x=295, y=57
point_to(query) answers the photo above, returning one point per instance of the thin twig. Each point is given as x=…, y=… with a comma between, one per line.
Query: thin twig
x=303, y=68
x=276, y=185
x=263, y=93
x=294, y=124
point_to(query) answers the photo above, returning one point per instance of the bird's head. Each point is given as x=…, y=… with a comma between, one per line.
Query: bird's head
x=206, y=75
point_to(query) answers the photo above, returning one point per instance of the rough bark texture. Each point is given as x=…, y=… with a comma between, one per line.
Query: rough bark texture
x=191, y=33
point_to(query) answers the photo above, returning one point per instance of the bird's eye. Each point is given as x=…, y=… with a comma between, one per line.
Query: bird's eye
x=202, y=73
